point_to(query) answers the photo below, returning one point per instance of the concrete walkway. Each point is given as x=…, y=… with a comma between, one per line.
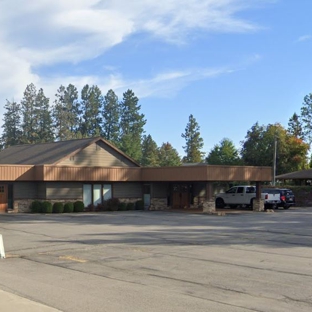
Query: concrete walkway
x=12, y=303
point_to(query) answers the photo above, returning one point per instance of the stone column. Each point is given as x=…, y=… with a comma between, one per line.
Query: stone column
x=258, y=203
x=209, y=204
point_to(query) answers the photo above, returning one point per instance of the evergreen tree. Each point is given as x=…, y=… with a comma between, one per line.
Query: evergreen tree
x=194, y=142
x=29, y=118
x=306, y=117
x=43, y=117
x=91, y=103
x=224, y=153
x=111, y=118
x=295, y=126
x=150, y=156
x=168, y=156
x=12, y=133
x=131, y=125
x=66, y=113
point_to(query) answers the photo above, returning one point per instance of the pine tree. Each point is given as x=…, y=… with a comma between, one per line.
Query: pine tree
x=168, y=156
x=224, y=153
x=66, y=113
x=194, y=142
x=295, y=126
x=150, y=155
x=29, y=118
x=131, y=125
x=91, y=103
x=12, y=133
x=111, y=118
x=43, y=117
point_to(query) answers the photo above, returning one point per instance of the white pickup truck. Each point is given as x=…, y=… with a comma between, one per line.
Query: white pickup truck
x=244, y=195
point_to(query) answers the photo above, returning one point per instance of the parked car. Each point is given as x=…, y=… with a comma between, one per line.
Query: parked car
x=287, y=197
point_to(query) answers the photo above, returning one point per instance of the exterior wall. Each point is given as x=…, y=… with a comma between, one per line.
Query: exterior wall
x=25, y=190
x=127, y=190
x=160, y=190
x=98, y=154
x=41, y=188
x=63, y=190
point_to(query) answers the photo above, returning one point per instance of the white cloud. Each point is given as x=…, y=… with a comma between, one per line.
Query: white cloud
x=48, y=32
x=304, y=38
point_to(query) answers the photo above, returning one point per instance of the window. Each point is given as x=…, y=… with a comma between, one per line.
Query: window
x=96, y=193
x=240, y=190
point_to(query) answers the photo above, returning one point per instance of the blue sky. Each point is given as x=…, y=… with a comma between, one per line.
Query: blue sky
x=230, y=63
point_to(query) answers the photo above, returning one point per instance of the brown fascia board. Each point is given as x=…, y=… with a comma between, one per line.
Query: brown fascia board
x=92, y=142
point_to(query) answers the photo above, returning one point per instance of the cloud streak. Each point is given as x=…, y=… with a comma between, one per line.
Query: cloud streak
x=34, y=34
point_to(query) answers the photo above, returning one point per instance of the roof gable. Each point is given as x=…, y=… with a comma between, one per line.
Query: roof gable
x=52, y=153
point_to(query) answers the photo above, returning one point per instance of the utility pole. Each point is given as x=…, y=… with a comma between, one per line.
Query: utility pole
x=274, y=160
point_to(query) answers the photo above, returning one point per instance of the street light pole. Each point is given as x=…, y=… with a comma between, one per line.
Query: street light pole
x=274, y=161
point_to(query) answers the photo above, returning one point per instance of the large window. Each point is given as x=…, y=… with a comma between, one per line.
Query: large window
x=96, y=193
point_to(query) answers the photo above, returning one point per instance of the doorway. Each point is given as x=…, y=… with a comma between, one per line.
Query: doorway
x=3, y=197
x=181, y=196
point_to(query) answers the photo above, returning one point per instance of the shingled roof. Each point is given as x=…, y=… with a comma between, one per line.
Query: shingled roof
x=296, y=175
x=47, y=153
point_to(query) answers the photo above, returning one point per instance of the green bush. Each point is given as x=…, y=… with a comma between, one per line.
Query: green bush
x=78, y=206
x=47, y=207
x=112, y=204
x=69, y=207
x=36, y=206
x=130, y=206
x=58, y=208
x=139, y=205
x=122, y=206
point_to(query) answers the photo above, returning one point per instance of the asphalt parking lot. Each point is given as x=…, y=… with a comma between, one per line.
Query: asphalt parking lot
x=160, y=261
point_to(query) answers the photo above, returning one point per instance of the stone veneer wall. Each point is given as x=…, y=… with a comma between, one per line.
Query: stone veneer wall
x=258, y=205
x=159, y=204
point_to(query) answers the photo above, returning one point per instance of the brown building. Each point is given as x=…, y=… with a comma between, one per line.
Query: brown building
x=93, y=170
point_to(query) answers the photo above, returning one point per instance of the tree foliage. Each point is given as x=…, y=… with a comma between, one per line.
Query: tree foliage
x=306, y=117
x=66, y=113
x=168, y=156
x=12, y=133
x=111, y=118
x=91, y=102
x=194, y=142
x=150, y=156
x=224, y=153
x=131, y=125
x=258, y=148
x=295, y=126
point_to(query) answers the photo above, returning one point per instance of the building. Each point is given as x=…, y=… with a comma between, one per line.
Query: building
x=93, y=170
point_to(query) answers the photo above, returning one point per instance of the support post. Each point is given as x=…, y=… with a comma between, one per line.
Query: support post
x=2, y=253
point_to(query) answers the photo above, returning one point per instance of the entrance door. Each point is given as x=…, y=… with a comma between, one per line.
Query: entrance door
x=180, y=196
x=3, y=197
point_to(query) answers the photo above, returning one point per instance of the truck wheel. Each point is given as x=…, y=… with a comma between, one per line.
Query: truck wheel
x=219, y=203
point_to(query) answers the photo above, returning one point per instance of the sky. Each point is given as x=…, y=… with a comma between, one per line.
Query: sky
x=229, y=63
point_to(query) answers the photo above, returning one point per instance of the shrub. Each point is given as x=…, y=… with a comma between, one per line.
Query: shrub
x=130, y=206
x=58, y=208
x=139, y=205
x=122, y=206
x=69, y=207
x=36, y=206
x=90, y=208
x=47, y=207
x=78, y=206
x=112, y=204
